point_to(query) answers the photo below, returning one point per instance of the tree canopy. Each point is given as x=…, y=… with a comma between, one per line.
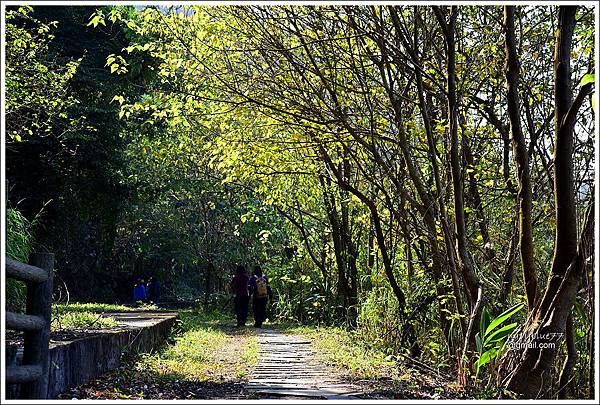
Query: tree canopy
x=422, y=174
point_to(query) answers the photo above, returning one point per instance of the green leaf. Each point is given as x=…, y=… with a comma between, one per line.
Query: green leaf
x=118, y=98
x=97, y=19
x=499, y=334
x=589, y=78
x=484, y=322
x=484, y=359
x=503, y=317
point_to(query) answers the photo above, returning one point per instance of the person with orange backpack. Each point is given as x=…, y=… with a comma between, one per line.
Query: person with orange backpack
x=261, y=292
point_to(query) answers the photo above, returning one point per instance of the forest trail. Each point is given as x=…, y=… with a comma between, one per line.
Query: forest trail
x=288, y=368
x=209, y=358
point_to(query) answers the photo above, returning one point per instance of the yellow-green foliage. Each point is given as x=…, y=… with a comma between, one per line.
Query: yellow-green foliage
x=37, y=91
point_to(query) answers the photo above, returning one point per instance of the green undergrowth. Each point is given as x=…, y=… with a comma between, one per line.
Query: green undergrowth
x=19, y=244
x=82, y=320
x=91, y=307
x=88, y=315
x=343, y=350
x=203, y=347
x=358, y=360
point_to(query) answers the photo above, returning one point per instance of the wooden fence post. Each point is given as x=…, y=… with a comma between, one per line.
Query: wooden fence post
x=35, y=351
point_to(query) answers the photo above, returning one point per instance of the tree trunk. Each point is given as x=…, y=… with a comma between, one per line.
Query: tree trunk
x=439, y=197
x=338, y=248
x=476, y=199
x=379, y=236
x=427, y=206
x=591, y=366
x=371, y=247
x=470, y=279
x=410, y=272
x=524, y=195
x=208, y=277
x=565, y=240
x=564, y=381
x=509, y=262
x=351, y=255
x=527, y=372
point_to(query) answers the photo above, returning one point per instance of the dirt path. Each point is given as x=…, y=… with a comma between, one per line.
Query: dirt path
x=287, y=369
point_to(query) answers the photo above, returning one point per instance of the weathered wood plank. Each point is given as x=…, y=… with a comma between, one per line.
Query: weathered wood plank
x=261, y=373
x=295, y=382
x=24, y=322
x=25, y=272
x=269, y=376
x=35, y=346
x=287, y=369
x=314, y=393
x=291, y=375
x=261, y=370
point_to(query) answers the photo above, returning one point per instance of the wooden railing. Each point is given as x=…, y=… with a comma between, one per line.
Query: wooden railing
x=35, y=323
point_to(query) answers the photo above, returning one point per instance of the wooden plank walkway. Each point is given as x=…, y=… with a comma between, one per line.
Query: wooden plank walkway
x=287, y=368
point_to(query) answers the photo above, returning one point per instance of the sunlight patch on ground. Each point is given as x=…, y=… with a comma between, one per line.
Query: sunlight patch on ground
x=208, y=351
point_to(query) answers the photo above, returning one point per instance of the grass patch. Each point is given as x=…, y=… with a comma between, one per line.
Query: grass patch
x=82, y=320
x=206, y=348
x=344, y=351
x=96, y=307
x=87, y=315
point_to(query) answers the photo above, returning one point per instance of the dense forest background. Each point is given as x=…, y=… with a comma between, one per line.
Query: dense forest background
x=415, y=173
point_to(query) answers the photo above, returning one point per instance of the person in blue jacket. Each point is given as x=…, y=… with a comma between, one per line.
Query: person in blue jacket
x=139, y=291
x=261, y=292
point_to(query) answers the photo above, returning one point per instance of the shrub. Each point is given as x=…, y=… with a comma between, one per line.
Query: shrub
x=19, y=242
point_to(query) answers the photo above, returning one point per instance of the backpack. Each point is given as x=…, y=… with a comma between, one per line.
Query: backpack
x=261, y=287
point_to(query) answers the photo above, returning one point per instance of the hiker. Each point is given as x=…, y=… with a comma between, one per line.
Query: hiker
x=261, y=292
x=153, y=290
x=239, y=287
x=139, y=291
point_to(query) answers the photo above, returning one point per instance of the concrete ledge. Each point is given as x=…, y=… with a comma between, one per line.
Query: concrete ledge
x=78, y=361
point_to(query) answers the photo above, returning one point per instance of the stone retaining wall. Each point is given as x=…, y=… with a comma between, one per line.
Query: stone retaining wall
x=78, y=361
